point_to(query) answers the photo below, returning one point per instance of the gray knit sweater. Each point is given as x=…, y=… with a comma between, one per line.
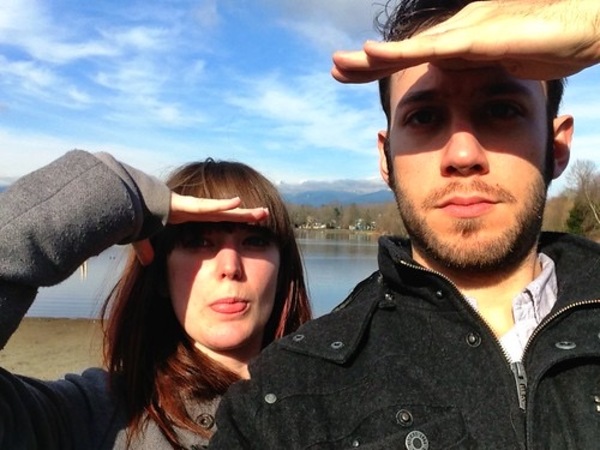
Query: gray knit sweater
x=51, y=221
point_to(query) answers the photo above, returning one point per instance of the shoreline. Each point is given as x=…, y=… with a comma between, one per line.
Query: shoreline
x=49, y=348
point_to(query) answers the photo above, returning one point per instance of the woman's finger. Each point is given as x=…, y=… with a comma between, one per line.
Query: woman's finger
x=143, y=251
x=193, y=209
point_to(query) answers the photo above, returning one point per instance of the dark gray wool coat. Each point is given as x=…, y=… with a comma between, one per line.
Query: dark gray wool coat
x=51, y=221
x=406, y=363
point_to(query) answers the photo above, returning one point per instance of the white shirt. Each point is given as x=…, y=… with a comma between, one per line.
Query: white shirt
x=528, y=309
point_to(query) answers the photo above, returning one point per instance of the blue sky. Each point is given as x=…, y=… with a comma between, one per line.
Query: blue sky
x=164, y=82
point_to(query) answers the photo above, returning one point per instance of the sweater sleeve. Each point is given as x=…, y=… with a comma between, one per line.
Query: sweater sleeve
x=55, y=218
x=51, y=221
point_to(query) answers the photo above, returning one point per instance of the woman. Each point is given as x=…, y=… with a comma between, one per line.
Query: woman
x=179, y=328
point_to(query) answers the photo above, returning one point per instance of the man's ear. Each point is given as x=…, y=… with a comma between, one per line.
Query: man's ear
x=563, y=134
x=383, y=166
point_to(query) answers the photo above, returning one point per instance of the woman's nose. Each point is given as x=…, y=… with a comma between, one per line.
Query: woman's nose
x=229, y=263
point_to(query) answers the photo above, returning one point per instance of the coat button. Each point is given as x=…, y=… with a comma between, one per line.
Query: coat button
x=416, y=440
x=298, y=337
x=205, y=420
x=439, y=293
x=473, y=340
x=270, y=398
x=355, y=443
x=404, y=418
x=336, y=345
x=387, y=303
x=565, y=345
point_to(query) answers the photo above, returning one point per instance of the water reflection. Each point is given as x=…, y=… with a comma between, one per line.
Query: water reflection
x=83, y=270
x=84, y=292
x=335, y=261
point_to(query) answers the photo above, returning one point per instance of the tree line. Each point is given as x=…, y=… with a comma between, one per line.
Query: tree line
x=575, y=210
x=378, y=217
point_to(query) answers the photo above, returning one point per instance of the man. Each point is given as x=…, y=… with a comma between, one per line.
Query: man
x=479, y=332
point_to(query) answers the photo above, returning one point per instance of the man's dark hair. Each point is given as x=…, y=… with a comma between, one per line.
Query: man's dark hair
x=409, y=17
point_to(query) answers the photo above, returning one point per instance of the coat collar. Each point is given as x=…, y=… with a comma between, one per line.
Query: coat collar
x=336, y=336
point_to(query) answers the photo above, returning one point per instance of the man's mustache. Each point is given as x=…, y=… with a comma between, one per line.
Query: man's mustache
x=495, y=193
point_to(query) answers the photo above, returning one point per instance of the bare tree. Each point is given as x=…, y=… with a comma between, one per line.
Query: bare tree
x=557, y=212
x=584, y=182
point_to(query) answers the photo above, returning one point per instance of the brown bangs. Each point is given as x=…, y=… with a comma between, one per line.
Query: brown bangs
x=228, y=179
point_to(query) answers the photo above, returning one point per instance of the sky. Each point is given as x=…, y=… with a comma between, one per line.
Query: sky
x=165, y=82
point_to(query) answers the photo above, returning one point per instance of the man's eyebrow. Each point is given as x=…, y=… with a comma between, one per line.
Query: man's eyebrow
x=418, y=96
x=489, y=90
x=506, y=88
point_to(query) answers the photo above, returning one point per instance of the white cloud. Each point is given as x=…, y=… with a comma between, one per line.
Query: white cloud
x=31, y=75
x=356, y=186
x=206, y=14
x=78, y=97
x=138, y=38
x=134, y=78
x=21, y=18
x=41, y=83
x=60, y=53
x=22, y=154
x=27, y=25
x=308, y=112
x=329, y=25
x=142, y=70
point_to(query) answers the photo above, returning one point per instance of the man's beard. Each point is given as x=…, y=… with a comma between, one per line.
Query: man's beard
x=460, y=250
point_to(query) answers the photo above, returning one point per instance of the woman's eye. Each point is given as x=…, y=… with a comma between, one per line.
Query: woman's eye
x=196, y=241
x=503, y=110
x=257, y=241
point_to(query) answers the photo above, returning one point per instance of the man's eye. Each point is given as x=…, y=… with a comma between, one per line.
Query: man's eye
x=503, y=110
x=422, y=117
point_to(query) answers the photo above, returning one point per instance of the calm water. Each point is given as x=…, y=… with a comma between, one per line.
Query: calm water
x=334, y=264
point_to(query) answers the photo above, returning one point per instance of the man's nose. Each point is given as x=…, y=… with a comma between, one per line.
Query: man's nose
x=464, y=155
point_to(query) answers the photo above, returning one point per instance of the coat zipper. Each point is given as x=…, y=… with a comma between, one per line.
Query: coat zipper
x=545, y=321
x=481, y=320
x=517, y=368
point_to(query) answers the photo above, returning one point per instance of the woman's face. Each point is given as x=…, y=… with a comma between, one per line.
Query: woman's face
x=222, y=283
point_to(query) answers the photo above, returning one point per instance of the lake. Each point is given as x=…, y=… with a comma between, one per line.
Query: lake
x=334, y=263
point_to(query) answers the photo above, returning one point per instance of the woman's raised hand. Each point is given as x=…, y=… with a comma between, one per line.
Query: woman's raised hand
x=536, y=39
x=192, y=209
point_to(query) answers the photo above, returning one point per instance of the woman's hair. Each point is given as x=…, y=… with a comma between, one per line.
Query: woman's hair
x=153, y=365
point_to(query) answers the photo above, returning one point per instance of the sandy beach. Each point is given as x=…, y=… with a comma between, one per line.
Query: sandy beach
x=49, y=348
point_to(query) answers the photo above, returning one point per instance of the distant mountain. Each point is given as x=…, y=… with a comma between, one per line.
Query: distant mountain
x=314, y=193
x=318, y=198
x=317, y=193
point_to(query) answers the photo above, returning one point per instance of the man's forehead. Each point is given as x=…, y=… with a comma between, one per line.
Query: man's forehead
x=465, y=81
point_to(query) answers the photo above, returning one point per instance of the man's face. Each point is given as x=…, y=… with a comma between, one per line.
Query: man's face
x=468, y=150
